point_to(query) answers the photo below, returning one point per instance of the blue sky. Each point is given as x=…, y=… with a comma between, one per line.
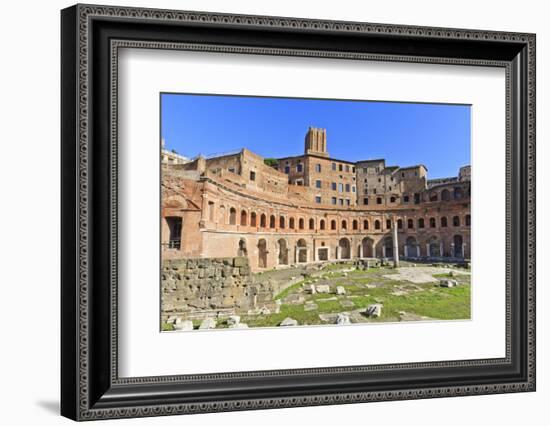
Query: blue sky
x=436, y=135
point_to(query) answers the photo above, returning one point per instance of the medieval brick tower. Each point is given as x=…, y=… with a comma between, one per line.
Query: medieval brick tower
x=316, y=142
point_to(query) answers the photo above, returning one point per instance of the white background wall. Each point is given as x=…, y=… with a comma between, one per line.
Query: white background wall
x=29, y=213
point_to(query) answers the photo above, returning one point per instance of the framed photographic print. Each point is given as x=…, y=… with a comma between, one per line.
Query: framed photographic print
x=264, y=212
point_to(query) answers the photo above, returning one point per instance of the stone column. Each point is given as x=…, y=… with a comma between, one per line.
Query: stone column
x=418, y=250
x=440, y=249
x=428, y=254
x=463, y=250
x=452, y=249
x=361, y=250
x=395, y=245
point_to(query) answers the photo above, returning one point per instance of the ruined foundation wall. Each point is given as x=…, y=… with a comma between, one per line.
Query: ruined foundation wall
x=197, y=288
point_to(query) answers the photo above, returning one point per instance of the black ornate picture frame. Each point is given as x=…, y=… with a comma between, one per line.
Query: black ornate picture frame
x=91, y=387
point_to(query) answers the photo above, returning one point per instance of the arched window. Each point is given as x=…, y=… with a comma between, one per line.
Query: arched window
x=272, y=221
x=376, y=224
x=392, y=199
x=443, y=222
x=333, y=224
x=243, y=218
x=291, y=223
x=365, y=224
x=344, y=224
x=432, y=222
x=263, y=220
x=388, y=224
x=321, y=223
x=399, y=224
x=282, y=222
x=378, y=200
x=355, y=225
x=410, y=224
x=312, y=224
x=445, y=195
x=301, y=223
x=468, y=220
x=456, y=221
x=253, y=219
x=433, y=196
x=458, y=193
x=232, y=216
x=421, y=222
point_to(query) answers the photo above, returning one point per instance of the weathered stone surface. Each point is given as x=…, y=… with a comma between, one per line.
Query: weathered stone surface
x=239, y=325
x=447, y=283
x=240, y=261
x=183, y=325
x=322, y=288
x=347, y=303
x=310, y=306
x=287, y=322
x=342, y=319
x=207, y=324
x=294, y=299
x=340, y=290
x=311, y=289
x=211, y=284
x=264, y=310
x=374, y=310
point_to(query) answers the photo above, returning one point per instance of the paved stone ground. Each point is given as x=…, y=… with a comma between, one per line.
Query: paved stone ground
x=422, y=274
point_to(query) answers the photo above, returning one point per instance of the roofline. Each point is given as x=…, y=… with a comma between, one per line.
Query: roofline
x=316, y=156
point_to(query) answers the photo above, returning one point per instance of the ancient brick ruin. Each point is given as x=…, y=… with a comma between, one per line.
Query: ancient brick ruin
x=311, y=208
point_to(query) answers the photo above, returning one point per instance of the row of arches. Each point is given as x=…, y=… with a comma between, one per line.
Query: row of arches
x=345, y=248
x=456, y=193
x=281, y=222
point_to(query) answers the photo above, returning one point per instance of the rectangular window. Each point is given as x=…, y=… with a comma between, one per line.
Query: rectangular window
x=334, y=166
x=353, y=169
x=340, y=167
x=365, y=201
x=299, y=182
x=365, y=170
x=416, y=198
x=405, y=198
x=374, y=191
x=287, y=169
x=347, y=187
x=353, y=188
x=318, y=200
x=334, y=186
x=333, y=200
x=341, y=201
x=340, y=187
x=252, y=175
x=318, y=184
x=348, y=202
x=347, y=167
x=366, y=191
x=299, y=167
x=318, y=168
x=232, y=169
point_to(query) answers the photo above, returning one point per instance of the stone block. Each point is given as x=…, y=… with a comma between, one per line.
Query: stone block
x=288, y=322
x=208, y=324
x=240, y=261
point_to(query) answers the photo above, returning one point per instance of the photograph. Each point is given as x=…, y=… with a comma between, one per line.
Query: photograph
x=279, y=212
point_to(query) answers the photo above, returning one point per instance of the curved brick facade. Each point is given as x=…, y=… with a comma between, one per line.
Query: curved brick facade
x=235, y=205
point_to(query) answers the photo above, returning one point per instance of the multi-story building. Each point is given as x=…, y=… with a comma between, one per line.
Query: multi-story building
x=311, y=208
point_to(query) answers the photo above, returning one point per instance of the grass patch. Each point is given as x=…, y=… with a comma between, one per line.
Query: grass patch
x=167, y=327
x=289, y=290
